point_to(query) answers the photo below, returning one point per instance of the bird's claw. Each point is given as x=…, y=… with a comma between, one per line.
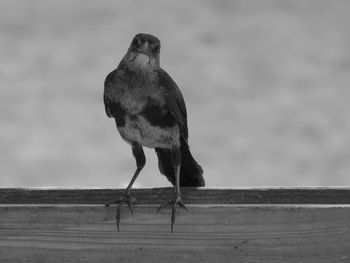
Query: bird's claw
x=176, y=202
x=124, y=199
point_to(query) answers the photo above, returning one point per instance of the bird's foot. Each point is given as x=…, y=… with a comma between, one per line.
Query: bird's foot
x=174, y=203
x=126, y=198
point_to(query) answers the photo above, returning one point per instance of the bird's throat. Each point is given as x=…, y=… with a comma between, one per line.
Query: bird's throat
x=141, y=61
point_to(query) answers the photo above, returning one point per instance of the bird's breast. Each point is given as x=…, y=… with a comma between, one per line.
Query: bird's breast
x=132, y=103
x=142, y=116
x=137, y=128
x=147, y=122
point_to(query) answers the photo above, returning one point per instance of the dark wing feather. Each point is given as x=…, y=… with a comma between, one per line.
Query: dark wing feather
x=107, y=106
x=107, y=88
x=174, y=100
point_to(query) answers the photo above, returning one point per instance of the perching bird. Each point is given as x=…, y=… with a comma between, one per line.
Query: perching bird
x=149, y=111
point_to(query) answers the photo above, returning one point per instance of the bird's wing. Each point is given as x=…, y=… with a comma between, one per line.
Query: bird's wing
x=174, y=100
x=107, y=103
x=108, y=91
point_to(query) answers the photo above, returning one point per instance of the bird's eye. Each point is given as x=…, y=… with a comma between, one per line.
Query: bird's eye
x=135, y=42
x=156, y=49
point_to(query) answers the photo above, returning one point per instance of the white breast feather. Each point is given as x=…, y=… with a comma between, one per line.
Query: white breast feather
x=141, y=131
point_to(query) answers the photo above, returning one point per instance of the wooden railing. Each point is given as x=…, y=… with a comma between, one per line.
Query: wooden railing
x=222, y=225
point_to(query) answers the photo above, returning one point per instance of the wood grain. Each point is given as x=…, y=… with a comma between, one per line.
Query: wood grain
x=222, y=233
x=190, y=196
x=222, y=225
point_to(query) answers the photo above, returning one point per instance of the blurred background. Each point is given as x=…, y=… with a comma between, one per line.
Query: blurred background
x=266, y=84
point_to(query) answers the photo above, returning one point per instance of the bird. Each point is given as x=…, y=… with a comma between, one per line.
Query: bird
x=149, y=111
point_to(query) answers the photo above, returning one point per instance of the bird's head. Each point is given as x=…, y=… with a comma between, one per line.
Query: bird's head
x=143, y=53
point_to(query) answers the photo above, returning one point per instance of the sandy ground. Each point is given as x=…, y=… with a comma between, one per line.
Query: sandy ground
x=266, y=84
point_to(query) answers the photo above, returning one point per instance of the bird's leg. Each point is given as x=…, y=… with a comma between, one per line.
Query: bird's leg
x=126, y=198
x=176, y=200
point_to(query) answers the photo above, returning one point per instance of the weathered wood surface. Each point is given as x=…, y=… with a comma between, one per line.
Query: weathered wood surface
x=226, y=233
x=190, y=196
x=222, y=232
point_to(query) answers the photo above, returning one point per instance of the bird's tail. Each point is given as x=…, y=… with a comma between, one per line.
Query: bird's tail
x=191, y=174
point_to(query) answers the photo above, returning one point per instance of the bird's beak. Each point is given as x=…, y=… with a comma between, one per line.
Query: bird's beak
x=144, y=49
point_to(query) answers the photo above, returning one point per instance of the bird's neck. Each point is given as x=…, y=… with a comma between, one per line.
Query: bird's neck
x=138, y=74
x=136, y=78
x=141, y=63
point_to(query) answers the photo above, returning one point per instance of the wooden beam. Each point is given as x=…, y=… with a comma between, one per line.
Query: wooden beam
x=190, y=196
x=268, y=225
x=216, y=233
